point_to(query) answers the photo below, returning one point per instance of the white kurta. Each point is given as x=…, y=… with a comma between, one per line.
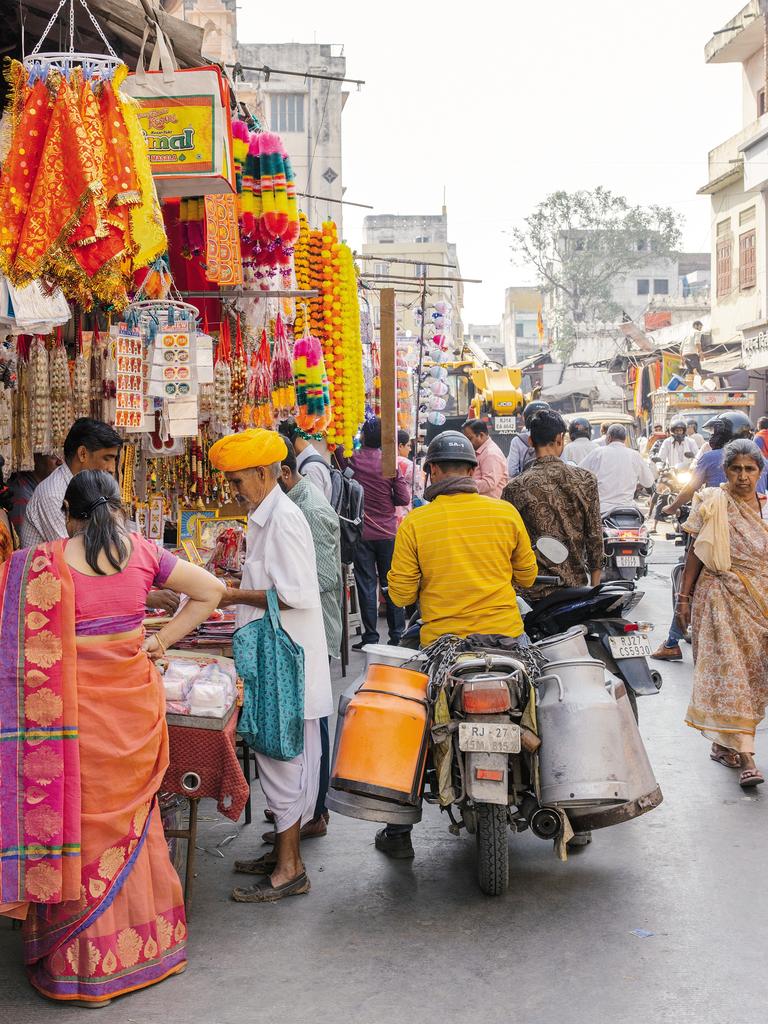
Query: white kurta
x=280, y=554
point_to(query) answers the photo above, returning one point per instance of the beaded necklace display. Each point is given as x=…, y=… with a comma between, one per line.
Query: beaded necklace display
x=60, y=395
x=40, y=405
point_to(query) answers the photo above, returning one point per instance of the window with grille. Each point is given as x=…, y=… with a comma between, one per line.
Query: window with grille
x=723, y=264
x=747, y=265
x=287, y=112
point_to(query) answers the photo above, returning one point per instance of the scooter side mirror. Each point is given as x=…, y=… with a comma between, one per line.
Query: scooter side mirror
x=552, y=549
x=690, y=455
x=655, y=458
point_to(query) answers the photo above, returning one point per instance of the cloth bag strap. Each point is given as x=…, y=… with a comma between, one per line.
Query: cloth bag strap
x=162, y=55
x=273, y=609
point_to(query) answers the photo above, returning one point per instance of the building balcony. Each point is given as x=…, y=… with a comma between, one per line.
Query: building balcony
x=738, y=39
x=726, y=161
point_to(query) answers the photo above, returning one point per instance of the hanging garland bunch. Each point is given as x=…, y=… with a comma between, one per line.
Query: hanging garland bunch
x=312, y=392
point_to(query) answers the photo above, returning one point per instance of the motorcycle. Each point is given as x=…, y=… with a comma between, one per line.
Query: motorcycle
x=621, y=645
x=512, y=747
x=669, y=484
x=627, y=544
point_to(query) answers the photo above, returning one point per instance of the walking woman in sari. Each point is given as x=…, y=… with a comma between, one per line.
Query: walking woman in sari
x=724, y=595
x=83, y=859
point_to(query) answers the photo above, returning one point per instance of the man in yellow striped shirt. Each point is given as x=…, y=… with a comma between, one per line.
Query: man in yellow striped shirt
x=460, y=555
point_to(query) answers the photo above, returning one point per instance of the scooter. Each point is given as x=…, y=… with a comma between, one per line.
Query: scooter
x=619, y=643
x=627, y=544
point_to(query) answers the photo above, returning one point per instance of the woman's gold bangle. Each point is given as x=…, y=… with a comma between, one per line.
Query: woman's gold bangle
x=160, y=643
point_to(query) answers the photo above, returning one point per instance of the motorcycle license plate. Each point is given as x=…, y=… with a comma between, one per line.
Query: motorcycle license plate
x=489, y=737
x=627, y=561
x=631, y=645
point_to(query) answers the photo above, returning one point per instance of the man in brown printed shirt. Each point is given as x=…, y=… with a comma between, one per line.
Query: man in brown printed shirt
x=558, y=500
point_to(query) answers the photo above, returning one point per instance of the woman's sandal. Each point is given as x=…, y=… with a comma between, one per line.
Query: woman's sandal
x=750, y=777
x=729, y=758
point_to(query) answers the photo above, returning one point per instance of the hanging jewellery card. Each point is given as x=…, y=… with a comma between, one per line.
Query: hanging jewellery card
x=129, y=380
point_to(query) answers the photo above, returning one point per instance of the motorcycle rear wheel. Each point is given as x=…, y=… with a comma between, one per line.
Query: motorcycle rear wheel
x=492, y=849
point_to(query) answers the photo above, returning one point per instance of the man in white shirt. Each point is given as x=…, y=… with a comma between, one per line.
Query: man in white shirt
x=90, y=444
x=581, y=443
x=692, y=432
x=690, y=348
x=280, y=555
x=619, y=470
x=678, y=449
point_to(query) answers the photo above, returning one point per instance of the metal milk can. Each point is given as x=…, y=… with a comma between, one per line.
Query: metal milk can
x=644, y=791
x=581, y=759
x=564, y=646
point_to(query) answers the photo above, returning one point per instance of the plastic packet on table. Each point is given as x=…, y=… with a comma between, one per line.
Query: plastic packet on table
x=177, y=707
x=178, y=678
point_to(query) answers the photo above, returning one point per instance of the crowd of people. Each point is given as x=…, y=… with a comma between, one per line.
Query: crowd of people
x=459, y=549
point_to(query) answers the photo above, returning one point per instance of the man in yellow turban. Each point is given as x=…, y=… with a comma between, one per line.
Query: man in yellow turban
x=280, y=556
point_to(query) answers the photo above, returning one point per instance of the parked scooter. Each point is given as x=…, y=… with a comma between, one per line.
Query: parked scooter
x=627, y=544
x=611, y=638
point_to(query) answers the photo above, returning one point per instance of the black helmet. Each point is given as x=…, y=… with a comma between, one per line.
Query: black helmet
x=532, y=408
x=450, y=446
x=677, y=424
x=579, y=427
x=730, y=425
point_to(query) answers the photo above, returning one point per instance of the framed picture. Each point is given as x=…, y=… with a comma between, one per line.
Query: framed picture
x=190, y=550
x=187, y=530
x=208, y=530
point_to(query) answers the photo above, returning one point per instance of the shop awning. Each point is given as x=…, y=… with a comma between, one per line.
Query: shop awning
x=123, y=23
x=538, y=360
x=723, y=362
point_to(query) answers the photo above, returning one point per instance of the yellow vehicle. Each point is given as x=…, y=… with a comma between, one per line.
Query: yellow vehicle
x=479, y=393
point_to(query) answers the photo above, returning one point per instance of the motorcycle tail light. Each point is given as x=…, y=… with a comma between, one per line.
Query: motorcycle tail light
x=486, y=696
x=627, y=535
x=489, y=775
x=630, y=627
x=627, y=551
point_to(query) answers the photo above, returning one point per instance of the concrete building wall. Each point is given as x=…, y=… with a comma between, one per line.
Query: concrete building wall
x=307, y=115
x=419, y=238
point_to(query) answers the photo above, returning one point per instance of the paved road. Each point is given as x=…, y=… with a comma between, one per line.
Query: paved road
x=377, y=942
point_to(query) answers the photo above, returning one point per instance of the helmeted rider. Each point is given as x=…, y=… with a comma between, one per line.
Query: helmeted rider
x=581, y=443
x=521, y=454
x=678, y=450
x=460, y=557
x=708, y=470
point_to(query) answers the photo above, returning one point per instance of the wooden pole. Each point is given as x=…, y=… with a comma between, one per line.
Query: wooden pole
x=388, y=385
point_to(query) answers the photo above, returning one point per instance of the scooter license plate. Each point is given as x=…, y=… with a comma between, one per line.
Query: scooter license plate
x=627, y=561
x=630, y=645
x=489, y=737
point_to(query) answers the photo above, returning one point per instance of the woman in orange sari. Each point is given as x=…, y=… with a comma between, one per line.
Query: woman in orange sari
x=83, y=858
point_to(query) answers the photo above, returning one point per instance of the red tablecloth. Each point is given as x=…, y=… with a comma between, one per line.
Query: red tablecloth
x=211, y=754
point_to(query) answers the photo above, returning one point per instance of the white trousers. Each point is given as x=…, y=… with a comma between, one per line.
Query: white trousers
x=291, y=787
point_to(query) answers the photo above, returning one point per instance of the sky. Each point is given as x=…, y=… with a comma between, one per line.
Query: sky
x=501, y=103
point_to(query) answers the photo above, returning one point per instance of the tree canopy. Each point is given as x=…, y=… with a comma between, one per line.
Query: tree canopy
x=581, y=244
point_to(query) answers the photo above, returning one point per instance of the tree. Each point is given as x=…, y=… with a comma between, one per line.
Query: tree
x=581, y=244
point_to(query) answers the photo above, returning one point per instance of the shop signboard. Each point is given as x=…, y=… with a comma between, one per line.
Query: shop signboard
x=754, y=348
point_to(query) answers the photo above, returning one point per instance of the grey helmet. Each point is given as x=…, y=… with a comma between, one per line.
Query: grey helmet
x=537, y=405
x=450, y=446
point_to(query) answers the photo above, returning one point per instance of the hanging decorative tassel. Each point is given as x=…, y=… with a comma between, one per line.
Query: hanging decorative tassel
x=262, y=385
x=283, y=385
x=312, y=395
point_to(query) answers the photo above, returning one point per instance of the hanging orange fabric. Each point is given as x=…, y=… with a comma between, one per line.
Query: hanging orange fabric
x=66, y=182
x=31, y=111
